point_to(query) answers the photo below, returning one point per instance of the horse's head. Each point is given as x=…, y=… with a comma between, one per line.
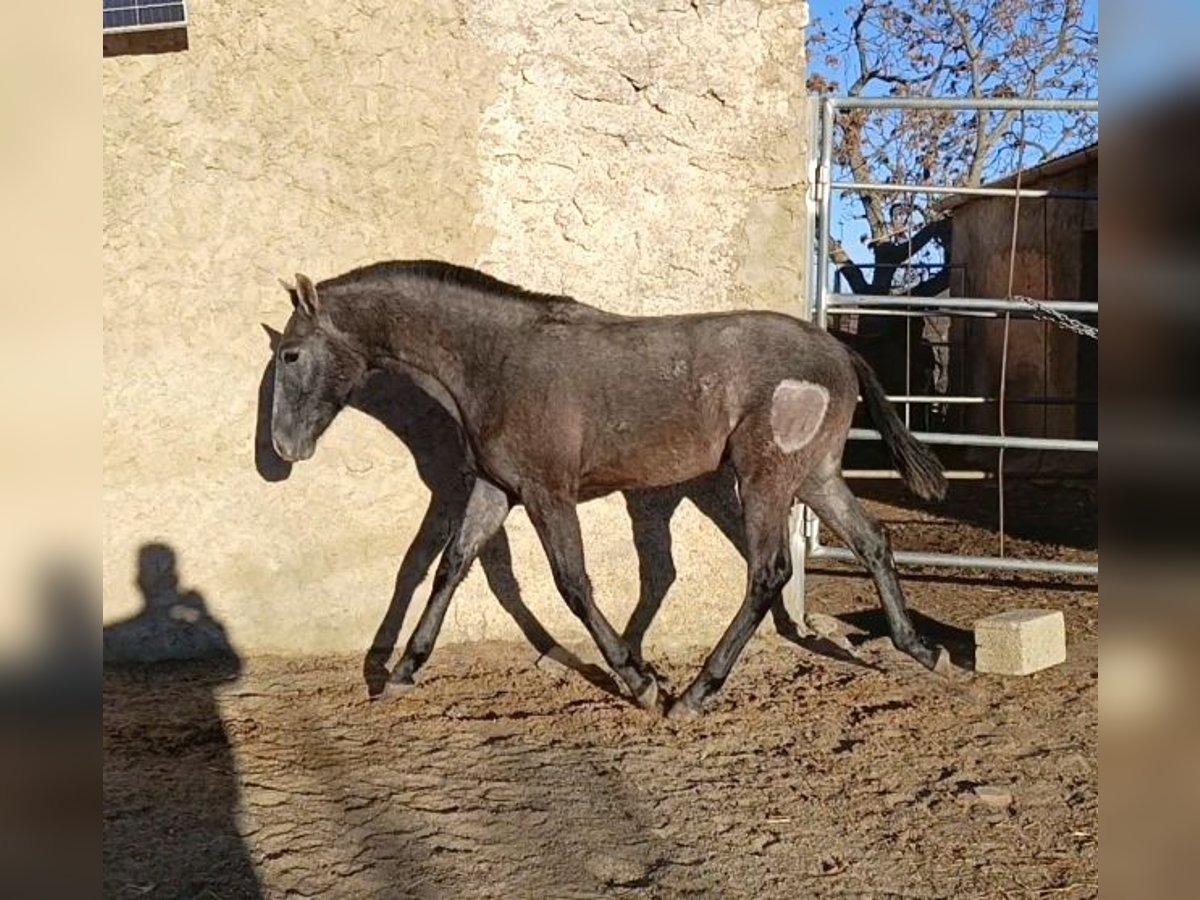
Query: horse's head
x=316, y=370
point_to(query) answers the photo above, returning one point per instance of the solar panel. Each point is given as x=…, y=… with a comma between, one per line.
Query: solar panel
x=143, y=15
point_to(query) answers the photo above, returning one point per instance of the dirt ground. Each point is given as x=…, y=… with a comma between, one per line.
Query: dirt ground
x=813, y=774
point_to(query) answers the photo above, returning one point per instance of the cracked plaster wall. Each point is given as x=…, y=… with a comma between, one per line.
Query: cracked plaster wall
x=647, y=158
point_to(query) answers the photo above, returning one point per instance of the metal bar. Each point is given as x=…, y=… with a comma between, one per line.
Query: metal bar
x=812, y=531
x=793, y=591
x=967, y=475
x=891, y=474
x=987, y=440
x=872, y=186
x=810, y=523
x=157, y=26
x=963, y=103
x=1023, y=401
x=966, y=303
x=911, y=265
x=933, y=398
x=1005, y=564
x=824, y=177
x=908, y=313
x=908, y=372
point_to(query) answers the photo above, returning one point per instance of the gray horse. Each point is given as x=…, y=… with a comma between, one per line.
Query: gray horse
x=561, y=403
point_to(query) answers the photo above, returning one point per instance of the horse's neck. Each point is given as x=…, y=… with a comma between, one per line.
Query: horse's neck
x=447, y=336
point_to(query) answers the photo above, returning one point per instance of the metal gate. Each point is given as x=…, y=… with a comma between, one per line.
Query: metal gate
x=824, y=301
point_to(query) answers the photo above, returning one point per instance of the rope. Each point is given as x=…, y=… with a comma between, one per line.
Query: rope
x=1012, y=272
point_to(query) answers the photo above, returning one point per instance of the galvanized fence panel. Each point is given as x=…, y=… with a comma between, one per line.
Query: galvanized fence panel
x=825, y=301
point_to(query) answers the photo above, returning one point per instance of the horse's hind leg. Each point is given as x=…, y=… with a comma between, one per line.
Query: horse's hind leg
x=769, y=566
x=557, y=525
x=485, y=513
x=650, y=516
x=831, y=499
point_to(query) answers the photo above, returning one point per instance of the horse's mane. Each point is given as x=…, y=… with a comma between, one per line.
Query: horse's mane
x=437, y=271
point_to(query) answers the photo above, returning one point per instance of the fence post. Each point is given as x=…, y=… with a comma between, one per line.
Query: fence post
x=793, y=591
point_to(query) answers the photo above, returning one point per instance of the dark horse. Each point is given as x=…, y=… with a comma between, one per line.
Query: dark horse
x=561, y=402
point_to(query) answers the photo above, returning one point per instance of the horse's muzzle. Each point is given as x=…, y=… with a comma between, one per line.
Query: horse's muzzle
x=292, y=454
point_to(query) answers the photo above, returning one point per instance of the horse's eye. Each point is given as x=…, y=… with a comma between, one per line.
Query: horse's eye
x=290, y=356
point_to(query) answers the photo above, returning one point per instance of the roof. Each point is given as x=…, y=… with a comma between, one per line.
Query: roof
x=1056, y=165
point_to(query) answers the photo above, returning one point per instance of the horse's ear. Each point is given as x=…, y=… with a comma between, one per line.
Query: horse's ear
x=272, y=335
x=293, y=294
x=305, y=297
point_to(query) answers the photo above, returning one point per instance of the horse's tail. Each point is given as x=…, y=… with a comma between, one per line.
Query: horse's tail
x=920, y=469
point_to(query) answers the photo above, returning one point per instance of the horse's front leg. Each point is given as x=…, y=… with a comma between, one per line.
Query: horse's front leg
x=486, y=510
x=557, y=525
x=432, y=537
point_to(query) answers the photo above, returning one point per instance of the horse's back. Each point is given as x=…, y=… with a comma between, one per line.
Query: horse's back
x=647, y=401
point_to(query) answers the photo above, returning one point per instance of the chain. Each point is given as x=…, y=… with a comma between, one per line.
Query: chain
x=1046, y=314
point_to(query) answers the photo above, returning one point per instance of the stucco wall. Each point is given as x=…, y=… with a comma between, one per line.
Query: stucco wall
x=645, y=158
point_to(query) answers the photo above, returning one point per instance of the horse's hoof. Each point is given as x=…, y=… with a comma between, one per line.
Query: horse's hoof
x=390, y=691
x=941, y=665
x=396, y=686
x=376, y=684
x=648, y=699
x=933, y=658
x=682, y=711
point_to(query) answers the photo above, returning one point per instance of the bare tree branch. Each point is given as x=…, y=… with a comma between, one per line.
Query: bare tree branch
x=932, y=286
x=972, y=48
x=849, y=269
x=896, y=252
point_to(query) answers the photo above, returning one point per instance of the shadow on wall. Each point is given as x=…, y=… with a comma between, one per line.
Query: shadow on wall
x=435, y=440
x=141, y=43
x=170, y=779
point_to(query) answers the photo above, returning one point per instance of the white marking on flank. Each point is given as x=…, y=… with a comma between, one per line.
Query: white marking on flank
x=797, y=411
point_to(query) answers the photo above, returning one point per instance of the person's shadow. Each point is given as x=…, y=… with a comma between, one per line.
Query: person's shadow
x=433, y=436
x=170, y=784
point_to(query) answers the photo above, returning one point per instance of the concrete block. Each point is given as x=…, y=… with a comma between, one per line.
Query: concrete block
x=1020, y=641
